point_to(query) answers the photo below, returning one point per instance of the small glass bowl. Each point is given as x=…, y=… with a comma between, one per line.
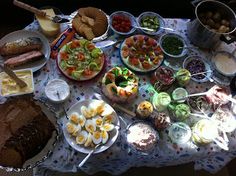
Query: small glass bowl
x=126, y=14
x=151, y=14
x=184, y=50
x=207, y=75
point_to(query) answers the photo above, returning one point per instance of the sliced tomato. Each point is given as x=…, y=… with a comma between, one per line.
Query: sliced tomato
x=87, y=72
x=125, y=53
x=134, y=61
x=146, y=65
x=156, y=60
x=129, y=41
x=158, y=49
x=75, y=44
x=64, y=55
x=70, y=70
x=90, y=46
x=81, y=57
x=122, y=93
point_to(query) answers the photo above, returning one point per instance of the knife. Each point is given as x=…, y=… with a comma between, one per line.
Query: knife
x=55, y=19
x=107, y=43
x=13, y=76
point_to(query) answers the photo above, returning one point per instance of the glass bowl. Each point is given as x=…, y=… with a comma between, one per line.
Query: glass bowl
x=173, y=36
x=153, y=15
x=141, y=137
x=123, y=14
x=199, y=61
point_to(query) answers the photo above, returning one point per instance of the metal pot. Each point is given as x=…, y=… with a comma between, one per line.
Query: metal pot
x=201, y=35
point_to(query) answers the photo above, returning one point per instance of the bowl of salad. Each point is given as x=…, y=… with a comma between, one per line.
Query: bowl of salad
x=80, y=60
x=173, y=45
x=152, y=21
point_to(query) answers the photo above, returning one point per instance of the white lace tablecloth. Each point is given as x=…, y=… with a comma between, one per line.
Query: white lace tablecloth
x=119, y=158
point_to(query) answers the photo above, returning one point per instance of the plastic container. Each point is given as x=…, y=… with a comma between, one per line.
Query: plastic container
x=179, y=133
x=9, y=86
x=57, y=90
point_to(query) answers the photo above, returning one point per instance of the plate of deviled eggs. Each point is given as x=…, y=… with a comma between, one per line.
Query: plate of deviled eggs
x=91, y=123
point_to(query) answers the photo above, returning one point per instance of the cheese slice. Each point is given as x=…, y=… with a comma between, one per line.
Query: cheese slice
x=48, y=27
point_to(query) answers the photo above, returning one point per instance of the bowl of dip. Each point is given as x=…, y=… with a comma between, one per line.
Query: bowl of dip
x=10, y=88
x=224, y=62
x=57, y=90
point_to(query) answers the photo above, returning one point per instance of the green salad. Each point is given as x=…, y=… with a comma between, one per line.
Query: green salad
x=81, y=60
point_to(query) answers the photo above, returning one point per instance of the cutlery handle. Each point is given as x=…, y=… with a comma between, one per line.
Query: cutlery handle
x=85, y=159
x=13, y=76
x=29, y=8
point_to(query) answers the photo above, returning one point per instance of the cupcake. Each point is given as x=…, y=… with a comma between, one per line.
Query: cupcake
x=161, y=120
x=144, y=109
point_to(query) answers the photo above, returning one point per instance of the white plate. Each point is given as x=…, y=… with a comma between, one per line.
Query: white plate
x=71, y=140
x=46, y=50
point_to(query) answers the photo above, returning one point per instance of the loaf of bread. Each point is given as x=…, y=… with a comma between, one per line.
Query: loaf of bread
x=27, y=131
x=90, y=22
x=20, y=46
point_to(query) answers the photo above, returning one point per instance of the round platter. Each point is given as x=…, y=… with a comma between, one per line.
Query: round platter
x=47, y=150
x=113, y=135
x=46, y=50
x=80, y=60
x=96, y=39
x=141, y=53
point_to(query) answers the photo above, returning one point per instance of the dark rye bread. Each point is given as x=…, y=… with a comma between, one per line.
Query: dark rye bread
x=25, y=141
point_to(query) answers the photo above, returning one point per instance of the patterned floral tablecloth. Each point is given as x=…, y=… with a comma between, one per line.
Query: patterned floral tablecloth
x=119, y=158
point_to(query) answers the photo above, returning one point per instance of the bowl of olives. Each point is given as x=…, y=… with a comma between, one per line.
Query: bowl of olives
x=150, y=23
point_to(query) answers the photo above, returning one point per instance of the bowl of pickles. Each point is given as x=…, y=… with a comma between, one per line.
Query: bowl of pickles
x=150, y=23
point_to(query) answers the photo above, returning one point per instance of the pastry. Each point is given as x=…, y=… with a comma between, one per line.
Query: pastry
x=144, y=109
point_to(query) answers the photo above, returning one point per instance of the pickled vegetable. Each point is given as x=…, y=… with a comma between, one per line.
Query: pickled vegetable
x=151, y=22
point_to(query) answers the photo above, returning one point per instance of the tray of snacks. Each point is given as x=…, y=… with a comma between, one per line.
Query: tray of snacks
x=29, y=132
x=91, y=123
x=80, y=60
x=141, y=53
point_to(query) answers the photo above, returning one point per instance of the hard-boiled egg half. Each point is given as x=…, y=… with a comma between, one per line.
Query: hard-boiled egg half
x=87, y=112
x=74, y=117
x=97, y=138
x=82, y=137
x=73, y=129
x=98, y=121
x=89, y=140
x=90, y=126
x=107, y=127
x=108, y=119
x=105, y=136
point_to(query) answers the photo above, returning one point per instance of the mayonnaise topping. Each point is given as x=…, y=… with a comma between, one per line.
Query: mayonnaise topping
x=57, y=90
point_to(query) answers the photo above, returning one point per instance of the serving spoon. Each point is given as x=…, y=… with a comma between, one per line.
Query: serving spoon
x=89, y=154
x=152, y=30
